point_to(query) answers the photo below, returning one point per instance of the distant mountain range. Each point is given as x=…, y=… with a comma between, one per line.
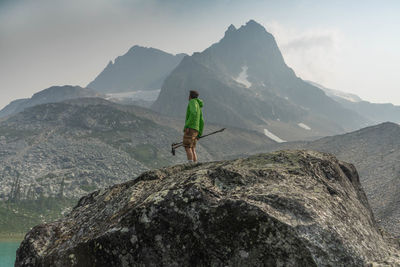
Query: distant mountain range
x=64, y=150
x=376, y=113
x=245, y=82
x=100, y=141
x=336, y=94
x=50, y=95
x=73, y=138
x=140, y=69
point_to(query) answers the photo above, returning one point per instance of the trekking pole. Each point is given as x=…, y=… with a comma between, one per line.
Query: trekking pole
x=176, y=145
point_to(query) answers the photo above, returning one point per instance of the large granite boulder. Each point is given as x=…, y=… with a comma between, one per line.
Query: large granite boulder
x=288, y=208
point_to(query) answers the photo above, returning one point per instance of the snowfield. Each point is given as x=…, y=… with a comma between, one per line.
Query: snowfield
x=273, y=137
x=242, y=78
x=304, y=126
x=150, y=95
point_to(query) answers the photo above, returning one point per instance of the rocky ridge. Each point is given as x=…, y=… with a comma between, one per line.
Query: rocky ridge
x=50, y=95
x=85, y=144
x=288, y=208
x=375, y=112
x=375, y=151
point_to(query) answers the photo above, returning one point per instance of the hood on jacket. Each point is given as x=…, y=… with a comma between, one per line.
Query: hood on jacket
x=199, y=101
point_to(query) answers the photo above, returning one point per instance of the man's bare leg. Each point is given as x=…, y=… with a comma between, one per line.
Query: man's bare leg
x=194, y=155
x=189, y=153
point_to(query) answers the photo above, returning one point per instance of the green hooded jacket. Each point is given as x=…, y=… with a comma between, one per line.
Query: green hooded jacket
x=194, y=116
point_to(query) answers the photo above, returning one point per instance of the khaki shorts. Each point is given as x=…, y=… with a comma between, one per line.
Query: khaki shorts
x=189, y=139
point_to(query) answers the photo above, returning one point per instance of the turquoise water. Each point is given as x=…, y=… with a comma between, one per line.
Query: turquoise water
x=7, y=253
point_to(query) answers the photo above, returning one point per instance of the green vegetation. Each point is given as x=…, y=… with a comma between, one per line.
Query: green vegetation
x=17, y=218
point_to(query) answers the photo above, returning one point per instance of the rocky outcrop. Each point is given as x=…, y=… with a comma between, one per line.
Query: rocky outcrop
x=375, y=152
x=290, y=208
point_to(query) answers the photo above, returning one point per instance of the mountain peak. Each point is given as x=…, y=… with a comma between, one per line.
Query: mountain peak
x=136, y=48
x=250, y=30
x=230, y=29
x=252, y=24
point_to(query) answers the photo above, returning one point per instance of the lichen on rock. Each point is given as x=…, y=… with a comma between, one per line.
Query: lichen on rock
x=288, y=208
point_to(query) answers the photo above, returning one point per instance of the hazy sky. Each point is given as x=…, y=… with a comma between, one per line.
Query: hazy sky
x=353, y=46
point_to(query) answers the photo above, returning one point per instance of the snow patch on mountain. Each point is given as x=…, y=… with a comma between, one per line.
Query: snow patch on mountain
x=336, y=93
x=273, y=136
x=304, y=126
x=346, y=96
x=242, y=78
x=147, y=95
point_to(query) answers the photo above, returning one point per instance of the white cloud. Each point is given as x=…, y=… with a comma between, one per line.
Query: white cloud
x=312, y=53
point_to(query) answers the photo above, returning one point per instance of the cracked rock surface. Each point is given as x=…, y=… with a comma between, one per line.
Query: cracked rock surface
x=287, y=208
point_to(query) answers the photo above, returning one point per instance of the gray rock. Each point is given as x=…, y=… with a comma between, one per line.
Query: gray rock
x=290, y=208
x=49, y=95
x=375, y=151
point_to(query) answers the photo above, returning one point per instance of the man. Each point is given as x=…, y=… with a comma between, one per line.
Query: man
x=193, y=125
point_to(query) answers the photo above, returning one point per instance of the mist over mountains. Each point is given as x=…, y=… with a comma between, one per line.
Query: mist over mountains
x=245, y=82
x=140, y=69
x=50, y=95
x=75, y=140
x=376, y=113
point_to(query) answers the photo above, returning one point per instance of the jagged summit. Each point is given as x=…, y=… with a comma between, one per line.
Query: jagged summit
x=251, y=28
x=230, y=29
x=245, y=82
x=253, y=25
x=251, y=32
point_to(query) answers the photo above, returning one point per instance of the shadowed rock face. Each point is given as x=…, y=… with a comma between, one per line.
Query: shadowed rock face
x=375, y=151
x=290, y=208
